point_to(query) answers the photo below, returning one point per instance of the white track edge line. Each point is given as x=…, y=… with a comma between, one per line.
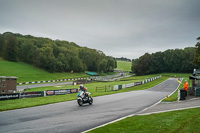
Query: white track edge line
x=169, y=110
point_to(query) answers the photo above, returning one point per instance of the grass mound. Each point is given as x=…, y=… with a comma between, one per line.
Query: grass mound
x=124, y=65
x=28, y=73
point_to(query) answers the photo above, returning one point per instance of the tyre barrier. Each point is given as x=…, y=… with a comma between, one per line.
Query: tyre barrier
x=119, y=87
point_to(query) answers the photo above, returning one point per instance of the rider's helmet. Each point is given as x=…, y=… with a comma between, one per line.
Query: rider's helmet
x=81, y=87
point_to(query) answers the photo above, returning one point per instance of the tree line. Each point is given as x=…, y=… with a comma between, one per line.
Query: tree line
x=123, y=59
x=53, y=55
x=171, y=60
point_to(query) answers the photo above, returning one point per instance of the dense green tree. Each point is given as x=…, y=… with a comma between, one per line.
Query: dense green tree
x=62, y=63
x=47, y=58
x=88, y=58
x=157, y=63
x=10, y=49
x=134, y=67
x=144, y=62
x=167, y=60
x=1, y=44
x=141, y=65
x=93, y=59
x=196, y=60
x=177, y=60
x=188, y=56
x=102, y=67
x=76, y=64
x=27, y=51
x=37, y=59
x=111, y=63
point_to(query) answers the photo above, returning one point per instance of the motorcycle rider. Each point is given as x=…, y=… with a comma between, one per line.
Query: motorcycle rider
x=81, y=87
x=84, y=96
x=84, y=89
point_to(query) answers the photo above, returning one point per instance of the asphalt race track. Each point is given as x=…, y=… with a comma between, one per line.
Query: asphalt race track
x=68, y=117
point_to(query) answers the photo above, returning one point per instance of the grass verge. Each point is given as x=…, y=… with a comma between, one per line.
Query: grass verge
x=29, y=73
x=184, y=121
x=124, y=65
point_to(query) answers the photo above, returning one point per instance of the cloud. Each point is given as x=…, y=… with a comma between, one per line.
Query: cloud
x=127, y=28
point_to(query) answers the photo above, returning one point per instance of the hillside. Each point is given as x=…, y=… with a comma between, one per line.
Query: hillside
x=28, y=73
x=53, y=55
x=124, y=65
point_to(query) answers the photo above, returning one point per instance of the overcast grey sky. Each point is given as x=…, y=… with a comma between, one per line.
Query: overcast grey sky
x=120, y=28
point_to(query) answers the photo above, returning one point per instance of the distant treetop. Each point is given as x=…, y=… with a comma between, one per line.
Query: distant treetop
x=123, y=59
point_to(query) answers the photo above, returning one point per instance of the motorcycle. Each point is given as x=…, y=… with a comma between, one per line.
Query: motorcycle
x=84, y=97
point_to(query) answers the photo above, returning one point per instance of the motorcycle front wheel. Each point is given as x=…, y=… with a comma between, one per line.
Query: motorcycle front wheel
x=90, y=101
x=80, y=102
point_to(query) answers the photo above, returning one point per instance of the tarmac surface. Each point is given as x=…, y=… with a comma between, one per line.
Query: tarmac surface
x=22, y=87
x=69, y=117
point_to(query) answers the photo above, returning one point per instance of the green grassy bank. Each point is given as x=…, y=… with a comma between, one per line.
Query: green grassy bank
x=124, y=65
x=184, y=121
x=28, y=73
